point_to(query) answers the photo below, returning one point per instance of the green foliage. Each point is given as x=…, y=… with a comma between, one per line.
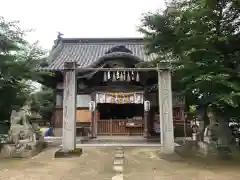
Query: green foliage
x=43, y=102
x=201, y=39
x=18, y=62
x=192, y=109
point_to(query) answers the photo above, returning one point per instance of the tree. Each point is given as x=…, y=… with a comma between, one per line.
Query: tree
x=18, y=63
x=200, y=37
x=43, y=102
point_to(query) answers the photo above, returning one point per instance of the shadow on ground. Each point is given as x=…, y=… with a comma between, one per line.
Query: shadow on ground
x=188, y=156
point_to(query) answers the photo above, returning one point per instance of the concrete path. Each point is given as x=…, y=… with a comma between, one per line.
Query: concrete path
x=97, y=164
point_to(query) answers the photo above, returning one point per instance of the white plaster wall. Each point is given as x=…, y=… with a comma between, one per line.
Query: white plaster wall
x=83, y=100
x=59, y=100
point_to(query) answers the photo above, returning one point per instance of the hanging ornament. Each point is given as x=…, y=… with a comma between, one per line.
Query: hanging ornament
x=114, y=76
x=108, y=75
x=137, y=77
x=121, y=76
x=128, y=77
x=116, y=98
x=132, y=76
x=117, y=75
x=104, y=76
x=124, y=76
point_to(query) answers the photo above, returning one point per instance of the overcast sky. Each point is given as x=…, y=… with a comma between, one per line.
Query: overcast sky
x=78, y=18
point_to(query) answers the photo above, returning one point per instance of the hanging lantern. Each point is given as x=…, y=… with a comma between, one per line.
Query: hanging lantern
x=92, y=106
x=147, y=105
x=104, y=76
x=137, y=77
x=114, y=76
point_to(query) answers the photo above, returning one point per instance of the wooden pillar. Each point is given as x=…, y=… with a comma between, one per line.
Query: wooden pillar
x=69, y=107
x=146, y=118
x=184, y=121
x=96, y=117
x=93, y=124
x=145, y=124
x=93, y=117
x=165, y=110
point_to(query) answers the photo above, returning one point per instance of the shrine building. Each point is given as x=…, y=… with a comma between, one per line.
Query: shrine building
x=112, y=102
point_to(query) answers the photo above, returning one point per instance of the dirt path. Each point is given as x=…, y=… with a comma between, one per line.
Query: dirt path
x=93, y=164
x=142, y=164
x=96, y=164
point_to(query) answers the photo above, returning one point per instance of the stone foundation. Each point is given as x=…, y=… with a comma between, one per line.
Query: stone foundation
x=12, y=151
x=75, y=153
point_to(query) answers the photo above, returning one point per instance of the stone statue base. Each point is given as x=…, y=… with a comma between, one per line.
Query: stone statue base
x=205, y=150
x=214, y=151
x=23, y=151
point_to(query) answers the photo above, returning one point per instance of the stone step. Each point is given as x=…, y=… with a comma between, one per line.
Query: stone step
x=118, y=161
x=119, y=155
x=118, y=177
x=119, y=152
x=118, y=168
x=119, y=148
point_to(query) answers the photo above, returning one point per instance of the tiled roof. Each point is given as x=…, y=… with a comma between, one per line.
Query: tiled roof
x=88, y=50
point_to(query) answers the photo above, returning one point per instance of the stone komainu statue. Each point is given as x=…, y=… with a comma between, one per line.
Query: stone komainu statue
x=24, y=136
x=219, y=133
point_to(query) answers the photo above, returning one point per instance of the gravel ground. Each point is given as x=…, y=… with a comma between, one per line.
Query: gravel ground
x=96, y=164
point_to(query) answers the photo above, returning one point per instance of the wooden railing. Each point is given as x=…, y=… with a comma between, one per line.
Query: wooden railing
x=180, y=123
x=117, y=127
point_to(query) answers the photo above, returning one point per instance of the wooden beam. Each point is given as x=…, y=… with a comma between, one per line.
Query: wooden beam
x=122, y=69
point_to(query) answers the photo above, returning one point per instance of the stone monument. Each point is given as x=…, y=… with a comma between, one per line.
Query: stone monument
x=217, y=137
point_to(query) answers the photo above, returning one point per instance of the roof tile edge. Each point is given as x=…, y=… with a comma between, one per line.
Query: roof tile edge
x=103, y=40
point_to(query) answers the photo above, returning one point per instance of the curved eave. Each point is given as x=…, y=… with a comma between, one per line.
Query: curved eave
x=110, y=56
